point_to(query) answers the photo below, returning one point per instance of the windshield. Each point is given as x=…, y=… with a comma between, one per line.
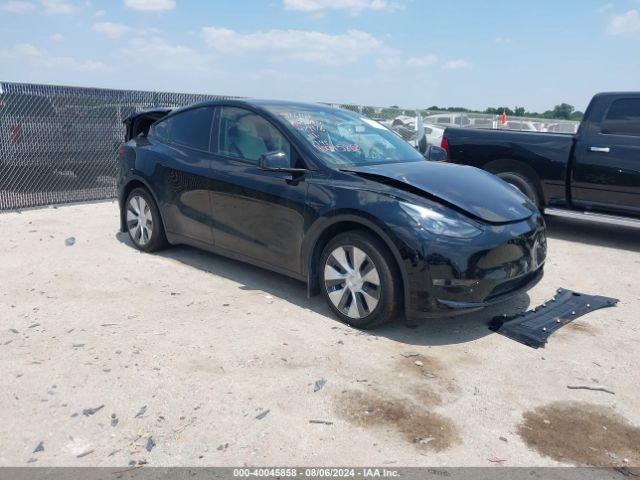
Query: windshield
x=342, y=138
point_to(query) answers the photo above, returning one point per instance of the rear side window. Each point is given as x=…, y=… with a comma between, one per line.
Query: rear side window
x=623, y=118
x=191, y=128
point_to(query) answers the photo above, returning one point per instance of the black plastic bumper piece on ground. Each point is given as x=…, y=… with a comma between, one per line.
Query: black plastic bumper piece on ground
x=534, y=327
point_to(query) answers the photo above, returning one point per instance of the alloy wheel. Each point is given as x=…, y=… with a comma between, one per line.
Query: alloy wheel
x=139, y=220
x=352, y=281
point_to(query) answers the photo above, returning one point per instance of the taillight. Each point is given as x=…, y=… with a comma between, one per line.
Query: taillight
x=444, y=144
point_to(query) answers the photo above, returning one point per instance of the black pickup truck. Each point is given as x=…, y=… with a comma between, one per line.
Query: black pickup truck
x=593, y=174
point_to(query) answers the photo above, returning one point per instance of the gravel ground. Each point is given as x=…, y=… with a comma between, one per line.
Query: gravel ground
x=110, y=356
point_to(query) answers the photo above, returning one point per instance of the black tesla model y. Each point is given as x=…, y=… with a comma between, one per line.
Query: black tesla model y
x=332, y=198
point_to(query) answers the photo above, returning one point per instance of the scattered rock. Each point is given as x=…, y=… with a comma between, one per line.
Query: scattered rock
x=319, y=384
x=263, y=414
x=114, y=420
x=84, y=454
x=496, y=459
x=150, y=444
x=504, y=439
x=87, y=412
x=70, y=241
x=13, y=330
x=141, y=412
x=321, y=422
x=39, y=448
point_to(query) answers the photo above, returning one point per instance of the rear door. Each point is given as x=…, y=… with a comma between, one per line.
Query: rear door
x=257, y=214
x=180, y=171
x=606, y=173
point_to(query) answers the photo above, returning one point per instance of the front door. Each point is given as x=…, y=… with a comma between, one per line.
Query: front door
x=256, y=213
x=606, y=173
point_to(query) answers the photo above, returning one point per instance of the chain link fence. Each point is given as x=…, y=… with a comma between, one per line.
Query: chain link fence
x=59, y=144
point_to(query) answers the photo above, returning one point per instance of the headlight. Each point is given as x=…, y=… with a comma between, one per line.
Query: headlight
x=437, y=223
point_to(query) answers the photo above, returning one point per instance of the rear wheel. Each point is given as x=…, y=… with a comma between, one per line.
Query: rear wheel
x=359, y=279
x=143, y=221
x=522, y=183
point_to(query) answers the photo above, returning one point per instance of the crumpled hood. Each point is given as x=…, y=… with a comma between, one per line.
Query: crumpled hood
x=469, y=189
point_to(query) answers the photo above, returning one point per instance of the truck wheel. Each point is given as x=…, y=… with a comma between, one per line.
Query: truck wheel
x=523, y=184
x=360, y=280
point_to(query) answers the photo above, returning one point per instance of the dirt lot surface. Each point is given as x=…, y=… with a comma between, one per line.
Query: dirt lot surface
x=109, y=356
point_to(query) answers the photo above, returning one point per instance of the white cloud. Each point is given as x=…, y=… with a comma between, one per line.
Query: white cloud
x=457, y=64
x=625, y=24
x=150, y=5
x=161, y=55
x=422, y=62
x=607, y=7
x=353, y=6
x=301, y=45
x=99, y=13
x=17, y=7
x=54, y=7
x=40, y=58
x=502, y=40
x=110, y=29
x=28, y=50
x=57, y=37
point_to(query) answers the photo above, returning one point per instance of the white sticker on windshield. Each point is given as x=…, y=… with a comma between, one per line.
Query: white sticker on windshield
x=373, y=123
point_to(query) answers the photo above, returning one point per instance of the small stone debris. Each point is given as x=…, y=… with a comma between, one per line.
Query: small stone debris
x=114, y=420
x=150, y=444
x=410, y=354
x=504, y=439
x=132, y=463
x=31, y=460
x=319, y=384
x=34, y=325
x=70, y=241
x=263, y=414
x=321, y=422
x=419, y=363
x=78, y=345
x=141, y=412
x=85, y=453
x=39, y=448
x=222, y=447
x=87, y=412
x=497, y=459
x=268, y=299
x=593, y=389
x=13, y=330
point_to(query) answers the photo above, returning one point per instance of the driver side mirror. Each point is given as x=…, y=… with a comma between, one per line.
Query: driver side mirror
x=277, y=162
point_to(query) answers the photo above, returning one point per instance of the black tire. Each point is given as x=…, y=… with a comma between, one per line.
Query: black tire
x=389, y=290
x=158, y=239
x=522, y=183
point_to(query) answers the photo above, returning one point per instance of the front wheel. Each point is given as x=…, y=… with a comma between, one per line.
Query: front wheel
x=360, y=280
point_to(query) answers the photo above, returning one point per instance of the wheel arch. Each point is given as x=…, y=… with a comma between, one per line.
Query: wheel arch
x=132, y=183
x=329, y=228
x=509, y=165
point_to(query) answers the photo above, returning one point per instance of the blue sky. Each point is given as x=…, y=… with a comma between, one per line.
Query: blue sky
x=413, y=53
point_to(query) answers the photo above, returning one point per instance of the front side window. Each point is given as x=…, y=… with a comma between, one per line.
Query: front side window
x=343, y=138
x=191, y=128
x=623, y=118
x=246, y=135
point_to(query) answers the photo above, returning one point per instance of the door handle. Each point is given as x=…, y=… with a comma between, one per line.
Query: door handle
x=600, y=149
